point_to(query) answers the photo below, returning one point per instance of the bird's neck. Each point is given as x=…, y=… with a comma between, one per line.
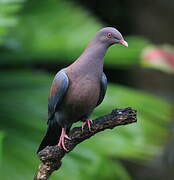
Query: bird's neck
x=95, y=50
x=92, y=58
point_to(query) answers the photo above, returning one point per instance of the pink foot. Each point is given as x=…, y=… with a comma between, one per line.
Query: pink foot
x=62, y=138
x=88, y=122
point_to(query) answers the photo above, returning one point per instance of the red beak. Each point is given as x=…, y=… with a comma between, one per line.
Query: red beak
x=123, y=42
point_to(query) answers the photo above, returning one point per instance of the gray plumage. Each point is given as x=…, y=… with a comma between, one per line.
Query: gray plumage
x=77, y=89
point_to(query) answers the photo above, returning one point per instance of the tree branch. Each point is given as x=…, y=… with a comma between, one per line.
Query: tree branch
x=51, y=156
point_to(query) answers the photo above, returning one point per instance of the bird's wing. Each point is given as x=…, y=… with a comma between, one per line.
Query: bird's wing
x=58, y=90
x=103, y=87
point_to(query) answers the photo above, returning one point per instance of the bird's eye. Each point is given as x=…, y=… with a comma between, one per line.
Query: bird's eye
x=109, y=35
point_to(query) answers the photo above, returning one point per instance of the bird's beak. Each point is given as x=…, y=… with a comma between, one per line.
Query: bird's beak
x=123, y=42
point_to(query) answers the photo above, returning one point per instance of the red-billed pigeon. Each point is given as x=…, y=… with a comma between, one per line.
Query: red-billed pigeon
x=77, y=89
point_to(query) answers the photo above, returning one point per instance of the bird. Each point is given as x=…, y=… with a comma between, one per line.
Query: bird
x=79, y=88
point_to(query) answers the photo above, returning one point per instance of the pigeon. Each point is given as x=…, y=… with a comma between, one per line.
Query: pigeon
x=78, y=89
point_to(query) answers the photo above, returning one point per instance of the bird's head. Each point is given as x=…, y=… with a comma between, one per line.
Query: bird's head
x=110, y=36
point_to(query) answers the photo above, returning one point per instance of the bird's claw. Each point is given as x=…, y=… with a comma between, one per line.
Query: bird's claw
x=67, y=137
x=62, y=139
x=88, y=122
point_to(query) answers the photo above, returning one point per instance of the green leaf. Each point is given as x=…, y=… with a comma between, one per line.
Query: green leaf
x=8, y=17
x=1, y=141
x=130, y=141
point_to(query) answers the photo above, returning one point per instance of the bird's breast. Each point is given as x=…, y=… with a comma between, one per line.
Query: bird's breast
x=83, y=94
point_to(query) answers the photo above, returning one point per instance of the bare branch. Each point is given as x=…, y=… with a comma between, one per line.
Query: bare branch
x=51, y=156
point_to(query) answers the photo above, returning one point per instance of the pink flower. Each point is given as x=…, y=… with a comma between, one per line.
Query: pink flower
x=160, y=58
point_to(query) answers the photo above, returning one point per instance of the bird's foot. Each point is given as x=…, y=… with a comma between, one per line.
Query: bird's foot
x=88, y=122
x=62, y=139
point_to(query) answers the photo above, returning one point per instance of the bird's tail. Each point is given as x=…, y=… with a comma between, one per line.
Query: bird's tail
x=52, y=135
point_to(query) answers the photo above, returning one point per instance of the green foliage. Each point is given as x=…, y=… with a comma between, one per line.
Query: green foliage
x=153, y=115
x=58, y=31
x=1, y=141
x=24, y=109
x=8, y=17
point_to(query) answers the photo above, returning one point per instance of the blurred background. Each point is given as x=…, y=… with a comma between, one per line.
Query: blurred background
x=38, y=38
